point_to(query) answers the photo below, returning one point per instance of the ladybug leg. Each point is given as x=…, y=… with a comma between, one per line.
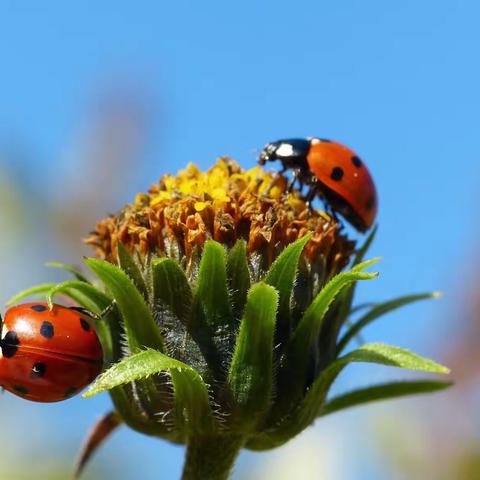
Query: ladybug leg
x=295, y=177
x=106, y=311
x=301, y=184
x=309, y=198
x=274, y=181
x=331, y=213
x=311, y=193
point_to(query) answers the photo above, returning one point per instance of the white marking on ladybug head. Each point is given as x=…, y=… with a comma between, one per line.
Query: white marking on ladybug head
x=285, y=150
x=314, y=141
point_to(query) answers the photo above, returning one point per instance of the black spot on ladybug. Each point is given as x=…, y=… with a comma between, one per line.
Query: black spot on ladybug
x=85, y=325
x=10, y=344
x=39, y=308
x=46, y=330
x=356, y=161
x=70, y=391
x=20, y=389
x=370, y=203
x=38, y=370
x=337, y=174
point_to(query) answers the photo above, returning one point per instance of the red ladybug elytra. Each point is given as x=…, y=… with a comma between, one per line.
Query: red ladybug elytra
x=48, y=355
x=332, y=171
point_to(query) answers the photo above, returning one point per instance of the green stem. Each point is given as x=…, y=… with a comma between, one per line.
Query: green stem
x=211, y=457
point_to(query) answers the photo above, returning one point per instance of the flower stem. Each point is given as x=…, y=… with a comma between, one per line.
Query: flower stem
x=211, y=457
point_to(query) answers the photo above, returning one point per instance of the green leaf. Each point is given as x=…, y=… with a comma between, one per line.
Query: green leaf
x=128, y=265
x=69, y=268
x=193, y=412
x=378, y=310
x=211, y=299
x=28, y=292
x=384, y=391
x=251, y=371
x=312, y=402
x=171, y=288
x=238, y=276
x=140, y=327
x=293, y=371
x=281, y=276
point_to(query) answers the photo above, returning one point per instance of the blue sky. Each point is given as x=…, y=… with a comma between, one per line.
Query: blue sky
x=396, y=81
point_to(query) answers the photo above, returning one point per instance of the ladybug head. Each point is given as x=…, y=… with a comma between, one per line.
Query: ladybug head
x=268, y=153
x=292, y=153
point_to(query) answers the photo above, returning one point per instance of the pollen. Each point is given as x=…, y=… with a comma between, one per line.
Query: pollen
x=225, y=203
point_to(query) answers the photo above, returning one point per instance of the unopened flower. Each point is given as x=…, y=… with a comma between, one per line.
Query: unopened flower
x=225, y=314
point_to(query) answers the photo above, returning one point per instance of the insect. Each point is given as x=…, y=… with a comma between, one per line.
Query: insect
x=48, y=355
x=331, y=171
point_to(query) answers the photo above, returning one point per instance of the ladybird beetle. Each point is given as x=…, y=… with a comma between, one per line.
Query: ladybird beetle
x=332, y=171
x=48, y=355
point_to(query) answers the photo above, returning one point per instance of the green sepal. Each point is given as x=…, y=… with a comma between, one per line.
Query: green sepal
x=193, y=414
x=238, y=277
x=211, y=321
x=130, y=267
x=377, y=311
x=341, y=310
x=301, y=351
x=28, y=292
x=311, y=404
x=140, y=327
x=392, y=356
x=385, y=391
x=251, y=370
x=281, y=276
x=83, y=293
x=171, y=289
x=69, y=268
x=211, y=300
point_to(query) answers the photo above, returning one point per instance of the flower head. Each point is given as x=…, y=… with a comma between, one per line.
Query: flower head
x=180, y=213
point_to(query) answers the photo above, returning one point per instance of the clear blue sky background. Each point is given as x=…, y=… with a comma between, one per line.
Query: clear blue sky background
x=397, y=81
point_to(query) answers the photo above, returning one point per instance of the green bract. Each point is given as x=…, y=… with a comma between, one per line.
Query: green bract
x=222, y=358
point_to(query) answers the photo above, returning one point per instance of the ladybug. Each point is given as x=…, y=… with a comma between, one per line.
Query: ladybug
x=331, y=171
x=48, y=355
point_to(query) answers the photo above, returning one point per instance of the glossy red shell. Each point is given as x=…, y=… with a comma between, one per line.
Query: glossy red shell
x=48, y=355
x=342, y=172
